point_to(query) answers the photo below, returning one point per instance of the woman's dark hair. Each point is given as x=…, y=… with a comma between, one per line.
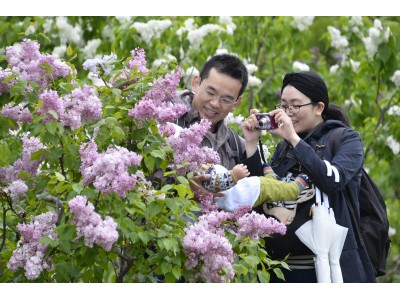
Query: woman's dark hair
x=229, y=65
x=335, y=112
x=310, y=84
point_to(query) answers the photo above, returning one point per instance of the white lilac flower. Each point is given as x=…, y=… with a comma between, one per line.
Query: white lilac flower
x=394, y=110
x=396, y=78
x=393, y=144
x=302, y=23
x=30, y=30
x=189, y=25
x=251, y=68
x=230, y=26
x=356, y=21
x=221, y=51
x=123, y=19
x=231, y=119
x=91, y=47
x=196, y=36
x=338, y=41
x=152, y=29
x=59, y=51
x=69, y=33
x=107, y=33
x=254, y=81
x=47, y=25
x=299, y=66
x=376, y=36
x=333, y=69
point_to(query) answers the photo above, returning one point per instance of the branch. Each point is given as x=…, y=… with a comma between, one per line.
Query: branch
x=59, y=208
x=4, y=227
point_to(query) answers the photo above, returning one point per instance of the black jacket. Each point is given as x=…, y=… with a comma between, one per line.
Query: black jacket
x=308, y=157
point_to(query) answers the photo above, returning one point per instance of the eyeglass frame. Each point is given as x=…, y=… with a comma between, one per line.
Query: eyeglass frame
x=291, y=107
x=222, y=100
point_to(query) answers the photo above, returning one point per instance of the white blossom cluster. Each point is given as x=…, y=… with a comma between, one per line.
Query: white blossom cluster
x=299, y=66
x=253, y=80
x=376, y=36
x=393, y=144
x=396, y=78
x=152, y=29
x=302, y=22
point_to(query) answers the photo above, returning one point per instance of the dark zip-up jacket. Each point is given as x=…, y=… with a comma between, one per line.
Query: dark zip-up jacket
x=310, y=156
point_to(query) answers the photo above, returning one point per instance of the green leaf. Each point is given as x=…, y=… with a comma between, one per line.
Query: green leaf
x=182, y=191
x=171, y=204
x=59, y=176
x=153, y=209
x=149, y=162
x=158, y=153
x=176, y=271
x=64, y=246
x=263, y=276
x=166, y=267
x=252, y=260
x=77, y=187
x=49, y=241
x=52, y=126
x=144, y=237
x=36, y=155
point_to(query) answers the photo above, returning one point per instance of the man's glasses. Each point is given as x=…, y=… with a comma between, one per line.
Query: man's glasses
x=212, y=94
x=294, y=109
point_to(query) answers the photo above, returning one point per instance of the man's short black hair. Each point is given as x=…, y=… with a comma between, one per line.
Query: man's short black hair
x=229, y=65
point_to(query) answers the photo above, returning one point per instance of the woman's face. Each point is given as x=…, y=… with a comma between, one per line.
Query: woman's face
x=307, y=117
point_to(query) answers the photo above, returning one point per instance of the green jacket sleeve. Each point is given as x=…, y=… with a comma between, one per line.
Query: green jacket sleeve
x=272, y=189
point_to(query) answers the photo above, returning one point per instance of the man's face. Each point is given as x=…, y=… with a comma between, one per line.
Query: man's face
x=216, y=96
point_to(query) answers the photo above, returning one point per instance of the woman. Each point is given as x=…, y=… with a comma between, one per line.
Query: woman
x=305, y=128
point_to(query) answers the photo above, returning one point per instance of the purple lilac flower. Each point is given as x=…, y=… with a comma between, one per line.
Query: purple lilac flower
x=138, y=60
x=51, y=102
x=108, y=171
x=81, y=106
x=156, y=105
x=4, y=74
x=30, y=254
x=16, y=189
x=18, y=113
x=257, y=226
x=31, y=65
x=206, y=246
x=90, y=226
x=186, y=147
x=24, y=164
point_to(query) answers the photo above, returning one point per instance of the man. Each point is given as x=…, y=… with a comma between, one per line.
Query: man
x=216, y=93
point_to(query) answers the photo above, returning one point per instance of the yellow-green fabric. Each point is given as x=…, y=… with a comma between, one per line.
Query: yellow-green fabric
x=272, y=189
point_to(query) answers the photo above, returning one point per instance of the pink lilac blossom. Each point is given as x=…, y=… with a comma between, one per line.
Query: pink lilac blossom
x=24, y=164
x=90, y=226
x=31, y=65
x=5, y=86
x=30, y=253
x=17, y=112
x=108, y=171
x=206, y=247
x=16, y=189
x=186, y=147
x=138, y=60
x=256, y=226
x=51, y=102
x=155, y=104
x=81, y=105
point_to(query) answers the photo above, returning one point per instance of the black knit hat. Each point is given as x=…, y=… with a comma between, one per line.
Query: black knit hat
x=310, y=84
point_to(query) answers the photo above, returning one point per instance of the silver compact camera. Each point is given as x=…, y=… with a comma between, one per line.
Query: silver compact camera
x=266, y=122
